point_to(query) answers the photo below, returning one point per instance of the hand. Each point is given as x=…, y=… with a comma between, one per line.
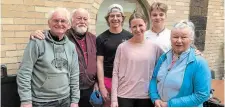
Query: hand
x=197, y=52
x=105, y=94
x=114, y=104
x=164, y=104
x=158, y=103
x=37, y=34
x=73, y=105
x=26, y=105
x=96, y=86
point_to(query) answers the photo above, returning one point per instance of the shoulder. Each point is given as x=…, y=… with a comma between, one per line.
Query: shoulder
x=197, y=62
x=147, y=32
x=126, y=33
x=201, y=67
x=104, y=34
x=201, y=61
x=121, y=46
x=89, y=34
x=38, y=42
x=124, y=43
x=153, y=44
x=69, y=43
x=167, y=30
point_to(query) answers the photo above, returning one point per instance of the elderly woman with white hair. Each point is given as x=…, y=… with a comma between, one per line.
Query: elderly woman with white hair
x=49, y=73
x=180, y=78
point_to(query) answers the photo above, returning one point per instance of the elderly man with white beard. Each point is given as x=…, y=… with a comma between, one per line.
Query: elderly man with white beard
x=85, y=43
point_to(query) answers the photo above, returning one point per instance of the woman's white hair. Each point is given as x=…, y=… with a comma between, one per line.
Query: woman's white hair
x=60, y=9
x=186, y=24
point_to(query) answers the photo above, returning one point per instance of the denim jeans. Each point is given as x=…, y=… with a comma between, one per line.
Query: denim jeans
x=58, y=103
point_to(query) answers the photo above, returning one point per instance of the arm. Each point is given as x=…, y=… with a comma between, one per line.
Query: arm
x=201, y=84
x=25, y=72
x=114, y=101
x=100, y=74
x=100, y=69
x=37, y=34
x=153, y=92
x=74, y=81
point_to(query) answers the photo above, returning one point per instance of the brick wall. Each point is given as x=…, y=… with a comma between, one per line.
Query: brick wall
x=21, y=17
x=214, y=44
x=177, y=10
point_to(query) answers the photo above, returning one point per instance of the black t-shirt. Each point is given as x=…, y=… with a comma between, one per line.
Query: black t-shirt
x=107, y=44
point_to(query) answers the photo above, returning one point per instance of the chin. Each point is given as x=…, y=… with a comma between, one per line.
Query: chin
x=139, y=35
x=115, y=25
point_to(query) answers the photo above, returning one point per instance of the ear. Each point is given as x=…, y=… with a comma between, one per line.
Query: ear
x=130, y=29
x=49, y=23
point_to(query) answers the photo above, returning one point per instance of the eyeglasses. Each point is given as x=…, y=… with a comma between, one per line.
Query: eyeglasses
x=62, y=21
x=115, y=15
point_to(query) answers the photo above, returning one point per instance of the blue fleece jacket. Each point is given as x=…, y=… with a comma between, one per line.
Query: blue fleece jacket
x=196, y=85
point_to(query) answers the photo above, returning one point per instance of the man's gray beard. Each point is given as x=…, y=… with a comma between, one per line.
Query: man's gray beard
x=80, y=30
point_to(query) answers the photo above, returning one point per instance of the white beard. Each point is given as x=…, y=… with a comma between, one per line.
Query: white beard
x=81, y=30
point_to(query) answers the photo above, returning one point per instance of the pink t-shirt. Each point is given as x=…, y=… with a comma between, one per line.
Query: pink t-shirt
x=133, y=68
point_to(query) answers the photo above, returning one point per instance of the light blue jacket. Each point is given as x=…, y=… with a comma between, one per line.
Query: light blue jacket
x=196, y=85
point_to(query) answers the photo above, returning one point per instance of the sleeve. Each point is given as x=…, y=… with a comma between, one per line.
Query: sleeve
x=202, y=86
x=100, y=46
x=24, y=73
x=115, y=75
x=159, y=52
x=74, y=79
x=153, y=92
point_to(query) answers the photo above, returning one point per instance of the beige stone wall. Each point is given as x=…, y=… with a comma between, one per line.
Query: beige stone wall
x=177, y=10
x=214, y=44
x=21, y=17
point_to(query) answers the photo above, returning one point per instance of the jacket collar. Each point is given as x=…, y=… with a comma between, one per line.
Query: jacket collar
x=191, y=56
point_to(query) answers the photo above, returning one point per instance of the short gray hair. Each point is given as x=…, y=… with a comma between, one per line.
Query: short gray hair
x=78, y=9
x=186, y=24
x=60, y=9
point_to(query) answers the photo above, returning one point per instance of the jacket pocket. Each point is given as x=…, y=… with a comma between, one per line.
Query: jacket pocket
x=56, y=81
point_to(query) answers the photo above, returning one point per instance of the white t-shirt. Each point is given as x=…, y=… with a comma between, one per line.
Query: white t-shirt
x=162, y=39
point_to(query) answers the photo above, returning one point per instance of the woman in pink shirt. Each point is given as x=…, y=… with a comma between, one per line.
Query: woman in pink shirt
x=133, y=67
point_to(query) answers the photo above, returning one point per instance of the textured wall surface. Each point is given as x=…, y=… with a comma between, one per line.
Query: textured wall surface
x=214, y=44
x=21, y=17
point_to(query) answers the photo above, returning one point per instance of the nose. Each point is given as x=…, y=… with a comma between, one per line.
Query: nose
x=60, y=22
x=158, y=16
x=82, y=20
x=179, y=39
x=138, y=29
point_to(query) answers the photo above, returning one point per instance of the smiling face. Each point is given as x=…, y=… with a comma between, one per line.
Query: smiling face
x=80, y=21
x=180, y=40
x=115, y=19
x=157, y=17
x=138, y=27
x=58, y=23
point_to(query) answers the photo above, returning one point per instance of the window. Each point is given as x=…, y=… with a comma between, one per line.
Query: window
x=128, y=7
